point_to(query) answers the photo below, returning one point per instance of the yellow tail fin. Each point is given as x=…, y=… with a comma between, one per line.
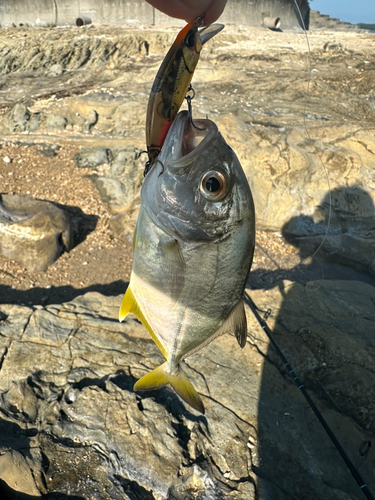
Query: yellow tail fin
x=180, y=383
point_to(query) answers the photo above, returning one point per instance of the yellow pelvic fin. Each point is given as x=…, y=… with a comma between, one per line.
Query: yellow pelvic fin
x=130, y=305
x=180, y=383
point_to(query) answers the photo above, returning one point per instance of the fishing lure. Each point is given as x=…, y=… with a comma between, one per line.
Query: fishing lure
x=172, y=83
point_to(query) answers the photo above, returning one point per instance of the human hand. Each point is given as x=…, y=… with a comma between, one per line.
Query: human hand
x=191, y=9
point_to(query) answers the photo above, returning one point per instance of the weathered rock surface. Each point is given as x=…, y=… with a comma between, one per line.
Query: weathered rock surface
x=92, y=157
x=71, y=422
x=295, y=142
x=32, y=232
x=347, y=217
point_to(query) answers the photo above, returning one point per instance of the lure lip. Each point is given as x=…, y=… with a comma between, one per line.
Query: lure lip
x=209, y=32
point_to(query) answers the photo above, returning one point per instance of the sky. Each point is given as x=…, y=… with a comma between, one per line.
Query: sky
x=352, y=11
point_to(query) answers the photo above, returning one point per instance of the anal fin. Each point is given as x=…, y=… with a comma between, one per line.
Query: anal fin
x=235, y=323
x=239, y=323
x=130, y=305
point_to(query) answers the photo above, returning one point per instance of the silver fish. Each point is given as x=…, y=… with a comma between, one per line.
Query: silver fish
x=193, y=248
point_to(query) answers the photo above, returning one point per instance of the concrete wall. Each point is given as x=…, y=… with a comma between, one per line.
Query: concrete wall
x=252, y=12
x=65, y=12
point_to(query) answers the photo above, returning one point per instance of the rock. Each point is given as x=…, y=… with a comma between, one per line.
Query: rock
x=291, y=189
x=34, y=122
x=123, y=224
x=92, y=119
x=16, y=473
x=34, y=233
x=56, y=70
x=56, y=122
x=91, y=157
x=121, y=191
x=17, y=119
x=6, y=159
x=333, y=47
x=67, y=375
x=49, y=150
x=122, y=187
x=111, y=191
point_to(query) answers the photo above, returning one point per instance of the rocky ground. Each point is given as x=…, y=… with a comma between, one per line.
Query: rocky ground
x=73, y=104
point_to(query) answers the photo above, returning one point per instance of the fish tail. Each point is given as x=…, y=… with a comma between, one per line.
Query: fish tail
x=180, y=383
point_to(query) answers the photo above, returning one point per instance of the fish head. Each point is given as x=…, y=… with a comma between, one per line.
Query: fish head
x=197, y=190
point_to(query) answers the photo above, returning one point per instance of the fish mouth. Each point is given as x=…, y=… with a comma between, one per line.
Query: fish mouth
x=209, y=32
x=186, y=140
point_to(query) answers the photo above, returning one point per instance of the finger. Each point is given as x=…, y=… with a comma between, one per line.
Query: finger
x=191, y=9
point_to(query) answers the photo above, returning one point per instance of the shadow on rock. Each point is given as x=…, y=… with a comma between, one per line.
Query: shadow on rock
x=133, y=490
x=7, y=493
x=164, y=397
x=12, y=436
x=14, y=463
x=346, y=215
x=321, y=320
x=83, y=224
x=57, y=295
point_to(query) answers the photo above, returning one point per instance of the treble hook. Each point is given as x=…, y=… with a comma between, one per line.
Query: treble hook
x=152, y=154
x=189, y=98
x=150, y=163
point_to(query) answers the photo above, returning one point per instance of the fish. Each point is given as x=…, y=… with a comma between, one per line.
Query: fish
x=172, y=82
x=193, y=248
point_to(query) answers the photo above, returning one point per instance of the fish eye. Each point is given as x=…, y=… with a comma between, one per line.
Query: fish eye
x=190, y=40
x=214, y=185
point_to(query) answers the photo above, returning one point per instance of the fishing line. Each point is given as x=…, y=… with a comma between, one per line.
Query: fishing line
x=307, y=131
x=355, y=473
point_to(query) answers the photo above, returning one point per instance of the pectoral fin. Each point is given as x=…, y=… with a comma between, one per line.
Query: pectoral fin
x=175, y=269
x=130, y=305
x=180, y=383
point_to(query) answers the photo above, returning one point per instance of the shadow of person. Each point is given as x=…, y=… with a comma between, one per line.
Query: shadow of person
x=346, y=215
x=325, y=327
